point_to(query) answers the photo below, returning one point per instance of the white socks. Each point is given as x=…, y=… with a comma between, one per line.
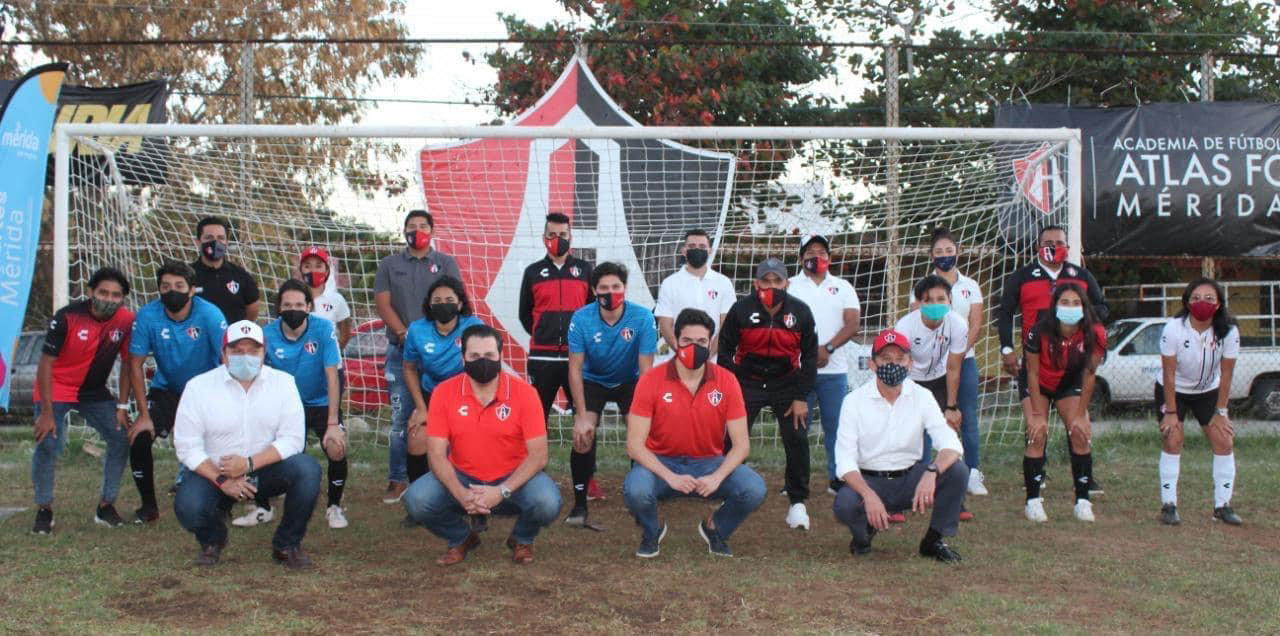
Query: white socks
x=1224, y=479
x=1169, y=465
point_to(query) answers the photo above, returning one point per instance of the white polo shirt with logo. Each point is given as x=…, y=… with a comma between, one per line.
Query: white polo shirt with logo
x=827, y=302
x=712, y=293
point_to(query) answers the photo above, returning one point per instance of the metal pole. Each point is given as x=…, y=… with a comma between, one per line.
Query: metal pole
x=246, y=118
x=61, y=218
x=891, y=195
x=1206, y=95
x=1075, y=199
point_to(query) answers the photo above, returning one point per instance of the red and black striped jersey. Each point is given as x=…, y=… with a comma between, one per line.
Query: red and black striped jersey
x=548, y=297
x=1070, y=358
x=84, y=350
x=1029, y=290
x=777, y=351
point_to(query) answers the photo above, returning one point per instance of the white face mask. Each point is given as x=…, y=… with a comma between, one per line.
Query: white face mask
x=244, y=367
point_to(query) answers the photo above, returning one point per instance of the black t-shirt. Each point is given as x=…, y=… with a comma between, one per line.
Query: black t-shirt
x=229, y=287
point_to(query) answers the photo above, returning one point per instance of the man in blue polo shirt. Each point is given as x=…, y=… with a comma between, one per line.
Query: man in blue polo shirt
x=184, y=334
x=306, y=347
x=611, y=342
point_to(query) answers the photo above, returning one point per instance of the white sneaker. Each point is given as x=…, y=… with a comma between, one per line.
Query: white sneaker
x=337, y=518
x=798, y=517
x=977, y=483
x=1035, y=510
x=254, y=517
x=1084, y=510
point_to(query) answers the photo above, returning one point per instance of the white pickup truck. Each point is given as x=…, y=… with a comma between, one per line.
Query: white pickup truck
x=1128, y=374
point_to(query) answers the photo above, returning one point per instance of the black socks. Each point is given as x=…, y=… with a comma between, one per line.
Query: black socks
x=338, y=479
x=1082, y=473
x=142, y=465
x=1033, y=475
x=580, y=469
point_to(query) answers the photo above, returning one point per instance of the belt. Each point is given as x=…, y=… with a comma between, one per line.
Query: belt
x=886, y=474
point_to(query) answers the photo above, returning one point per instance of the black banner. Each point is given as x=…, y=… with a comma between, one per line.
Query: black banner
x=1199, y=179
x=140, y=160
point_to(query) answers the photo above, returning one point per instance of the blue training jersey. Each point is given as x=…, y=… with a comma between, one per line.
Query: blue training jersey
x=183, y=349
x=438, y=357
x=305, y=358
x=612, y=352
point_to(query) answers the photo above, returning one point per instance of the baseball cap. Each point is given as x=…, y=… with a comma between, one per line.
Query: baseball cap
x=317, y=252
x=771, y=265
x=804, y=243
x=890, y=337
x=240, y=330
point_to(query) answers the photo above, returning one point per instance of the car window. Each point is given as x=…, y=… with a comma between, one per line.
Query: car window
x=1147, y=342
x=366, y=344
x=29, y=350
x=1117, y=331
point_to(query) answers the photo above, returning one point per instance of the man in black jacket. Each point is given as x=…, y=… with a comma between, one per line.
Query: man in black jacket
x=769, y=341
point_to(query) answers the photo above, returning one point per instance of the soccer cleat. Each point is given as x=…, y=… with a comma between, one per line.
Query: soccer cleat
x=977, y=483
x=395, y=490
x=649, y=547
x=1035, y=510
x=44, y=521
x=798, y=516
x=594, y=492
x=897, y=517
x=254, y=517
x=1228, y=516
x=1169, y=515
x=577, y=517
x=940, y=551
x=145, y=515
x=1084, y=510
x=336, y=517
x=107, y=516
x=1095, y=486
x=715, y=545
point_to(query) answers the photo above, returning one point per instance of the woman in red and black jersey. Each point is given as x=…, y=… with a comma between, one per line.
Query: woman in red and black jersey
x=1063, y=349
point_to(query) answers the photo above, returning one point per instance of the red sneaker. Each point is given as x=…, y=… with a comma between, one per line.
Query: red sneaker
x=965, y=515
x=897, y=517
x=594, y=493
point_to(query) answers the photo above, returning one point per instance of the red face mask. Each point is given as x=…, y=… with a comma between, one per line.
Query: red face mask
x=315, y=279
x=1201, y=310
x=817, y=265
x=557, y=246
x=611, y=300
x=771, y=297
x=693, y=355
x=1054, y=254
x=417, y=239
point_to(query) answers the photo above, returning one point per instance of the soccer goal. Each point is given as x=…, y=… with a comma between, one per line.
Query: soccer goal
x=130, y=195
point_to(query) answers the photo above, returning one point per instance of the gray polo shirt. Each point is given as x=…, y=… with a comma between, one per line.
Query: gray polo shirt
x=408, y=278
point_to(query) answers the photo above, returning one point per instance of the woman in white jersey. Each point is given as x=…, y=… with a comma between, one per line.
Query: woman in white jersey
x=1198, y=352
x=939, y=337
x=329, y=303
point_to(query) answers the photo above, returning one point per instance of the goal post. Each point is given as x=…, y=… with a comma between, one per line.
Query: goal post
x=130, y=194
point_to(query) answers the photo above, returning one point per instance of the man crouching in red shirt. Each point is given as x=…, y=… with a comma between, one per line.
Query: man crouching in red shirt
x=487, y=446
x=675, y=434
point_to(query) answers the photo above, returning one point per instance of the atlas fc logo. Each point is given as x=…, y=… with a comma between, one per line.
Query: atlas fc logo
x=435, y=269
x=233, y=286
x=627, y=334
x=504, y=412
x=1071, y=271
x=116, y=335
x=890, y=338
x=715, y=397
x=311, y=347
x=789, y=320
x=833, y=291
x=575, y=271
x=713, y=294
x=194, y=332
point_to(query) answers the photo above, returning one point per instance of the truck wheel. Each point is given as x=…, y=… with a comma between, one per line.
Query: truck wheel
x=1266, y=399
x=1099, y=402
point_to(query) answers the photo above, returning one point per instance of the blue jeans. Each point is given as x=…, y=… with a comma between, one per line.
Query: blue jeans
x=742, y=492
x=102, y=417
x=202, y=509
x=536, y=504
x=967, y=400
x=401, y=409
x=828, y=394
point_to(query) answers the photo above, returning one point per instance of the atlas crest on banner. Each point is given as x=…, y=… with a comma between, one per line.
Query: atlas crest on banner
x=630, y=200
x=1039, y=179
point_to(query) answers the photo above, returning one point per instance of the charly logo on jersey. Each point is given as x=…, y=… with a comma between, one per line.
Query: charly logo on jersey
x=618, y=191
x=53, y=324
x=164, y=333
x=754, y=317
x=917, y=340
x=462, y=410
x=597, y=338
x=715, y=396
x=429, y=347
x=627, y=334
x=504, y=412
x=83, y=334
x=233, y=286
x=279, y=352
x=544, y=272
x=666, y=397
x=194, y=332
x=311, y=347
x=116, y=335
x=789, y=320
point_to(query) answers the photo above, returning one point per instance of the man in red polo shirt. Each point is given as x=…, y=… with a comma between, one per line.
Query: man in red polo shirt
x=675, y=435
x=487, y=446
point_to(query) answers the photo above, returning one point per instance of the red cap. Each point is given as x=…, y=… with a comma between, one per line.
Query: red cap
x=316, y=251
x=890, y=337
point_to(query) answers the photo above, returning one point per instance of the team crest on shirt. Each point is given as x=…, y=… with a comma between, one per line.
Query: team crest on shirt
x=326, y=307
x=435, y=269
x=964, y=292
x=311, y=347
x=457, y=342
x=714, y=397
x=1071, y=271
x=789, y=320
x=713, y=294
x=233, y=286
x=833, y=290
x=627, y=334
x=575, y=271
x=116, y=335
x=193, y=332
x=504, y=412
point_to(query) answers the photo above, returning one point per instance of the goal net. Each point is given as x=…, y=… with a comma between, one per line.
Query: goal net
x=130, y=195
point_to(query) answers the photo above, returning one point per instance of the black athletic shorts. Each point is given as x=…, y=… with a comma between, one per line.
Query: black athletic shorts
x=596, y=396
x=163, y=407
x=1203, y=405
x=1071, y=386
x=318, y=419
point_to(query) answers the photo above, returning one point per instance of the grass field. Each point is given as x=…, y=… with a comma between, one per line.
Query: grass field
x=1125, y=573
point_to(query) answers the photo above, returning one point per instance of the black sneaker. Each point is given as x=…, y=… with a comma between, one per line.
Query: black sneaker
x=145, y=515
x=479, y=523
x=108, y=517
x=715, y=545
x=649, y=547
x=834, y=487
x=857, y=548
x=1095, y=486
x=1228, y=516
x=577, y=516
x=1169, y=515
x=44, y=521
x=940, y=551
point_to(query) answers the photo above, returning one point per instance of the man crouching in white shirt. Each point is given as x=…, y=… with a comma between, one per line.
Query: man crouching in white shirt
x=882, y=426
x=241, y=428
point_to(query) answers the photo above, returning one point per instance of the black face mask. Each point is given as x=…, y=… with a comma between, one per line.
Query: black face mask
x=293, y=317
x=482, y=370
x=696, y=257
x=892, y=374
x=174, y=300
x=213, y=250
x=442, y=312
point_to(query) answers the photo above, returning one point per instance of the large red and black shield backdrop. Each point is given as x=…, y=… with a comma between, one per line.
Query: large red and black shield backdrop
x=631, y=200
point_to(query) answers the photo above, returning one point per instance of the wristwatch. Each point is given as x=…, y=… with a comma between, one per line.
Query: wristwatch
x=123, y=406
x=1223, y=412
x=932, y=467
x=1004, y=351
x=829, y=348
x=951, y=407
x=506, y=492
x=221, y=479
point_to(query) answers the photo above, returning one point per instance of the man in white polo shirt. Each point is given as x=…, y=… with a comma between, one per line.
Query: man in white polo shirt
x=882, y=425
x=696, y=286
x=836, y=310
x=239, y=430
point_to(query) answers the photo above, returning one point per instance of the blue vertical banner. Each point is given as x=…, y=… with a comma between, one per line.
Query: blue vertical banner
x=26, y=121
